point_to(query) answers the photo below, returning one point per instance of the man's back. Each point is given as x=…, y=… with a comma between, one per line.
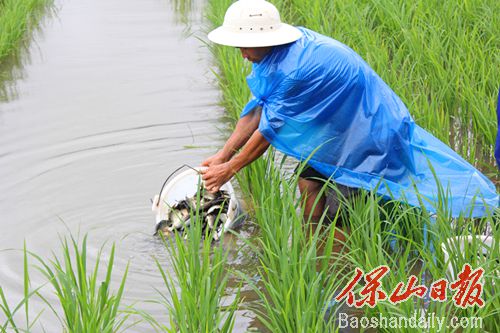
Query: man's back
x=322, y=89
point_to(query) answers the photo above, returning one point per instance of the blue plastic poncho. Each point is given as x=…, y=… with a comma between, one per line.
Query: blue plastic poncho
x=318, y=95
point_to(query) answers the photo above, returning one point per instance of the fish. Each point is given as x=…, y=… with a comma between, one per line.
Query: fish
x=210, y=220
x=210, y=208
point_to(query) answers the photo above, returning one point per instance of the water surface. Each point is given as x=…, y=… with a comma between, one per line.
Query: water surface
x=112, y=96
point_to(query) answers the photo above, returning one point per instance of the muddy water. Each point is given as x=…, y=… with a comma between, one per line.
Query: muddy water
x=111, y=97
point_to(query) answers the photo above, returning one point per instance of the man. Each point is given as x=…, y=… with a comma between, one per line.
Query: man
x=315, y=97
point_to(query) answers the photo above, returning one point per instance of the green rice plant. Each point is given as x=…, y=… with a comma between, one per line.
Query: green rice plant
x=385, y=233
x=17, y=17
x=196, y=293
x=88, y=305
x=298, y=273
x=10, y=323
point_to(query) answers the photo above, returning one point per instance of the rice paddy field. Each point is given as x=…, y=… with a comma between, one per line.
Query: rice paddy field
x=442, y=59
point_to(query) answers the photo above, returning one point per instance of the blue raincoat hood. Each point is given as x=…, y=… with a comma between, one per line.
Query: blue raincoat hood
x=320, y=99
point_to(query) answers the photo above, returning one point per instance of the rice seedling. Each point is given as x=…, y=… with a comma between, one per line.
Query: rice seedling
x=10, y=324
x=88, y=305
x=298, y=274
x=195, y=297
x=17, y=17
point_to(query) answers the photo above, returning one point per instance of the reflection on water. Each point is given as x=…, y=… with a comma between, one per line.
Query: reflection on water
x=11, y=70
x=185, y=11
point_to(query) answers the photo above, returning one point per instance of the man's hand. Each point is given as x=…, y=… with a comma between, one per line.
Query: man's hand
x=215, y=159
x=217, y=175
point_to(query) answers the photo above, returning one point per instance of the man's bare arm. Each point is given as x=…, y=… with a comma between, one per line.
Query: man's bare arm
x=244, y=129
x=217, y=175
x=254, y=148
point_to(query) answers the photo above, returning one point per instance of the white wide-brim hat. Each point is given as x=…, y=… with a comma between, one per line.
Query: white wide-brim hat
x=253, y=23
